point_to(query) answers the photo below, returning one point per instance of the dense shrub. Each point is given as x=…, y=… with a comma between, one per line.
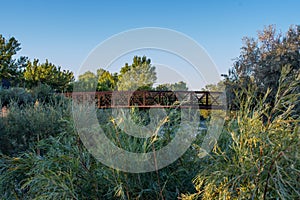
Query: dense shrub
x=67, y=170
x=24, y=126
x=18, y=96
x=260, y=159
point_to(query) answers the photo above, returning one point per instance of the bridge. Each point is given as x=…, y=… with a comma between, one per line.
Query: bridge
x=153, y=99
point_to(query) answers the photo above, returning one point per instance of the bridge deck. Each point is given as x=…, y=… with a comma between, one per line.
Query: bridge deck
x=153, y=99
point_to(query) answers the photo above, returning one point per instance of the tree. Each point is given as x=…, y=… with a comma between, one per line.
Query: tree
x=179, y=86
x=219, y=87
x=106, y=80
x=102, y=81
x=11, y=69
x=261, y=61
x=86, y=82
x=47, y=73
x=140, y=75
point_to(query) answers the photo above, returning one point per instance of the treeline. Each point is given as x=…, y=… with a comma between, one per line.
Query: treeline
x=140, y=75
x=261, y=63
x=21, y=72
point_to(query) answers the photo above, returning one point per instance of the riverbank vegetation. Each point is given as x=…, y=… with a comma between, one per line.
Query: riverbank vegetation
x=257, y=155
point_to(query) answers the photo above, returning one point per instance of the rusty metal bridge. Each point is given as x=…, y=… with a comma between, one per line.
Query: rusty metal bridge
x=153, y=99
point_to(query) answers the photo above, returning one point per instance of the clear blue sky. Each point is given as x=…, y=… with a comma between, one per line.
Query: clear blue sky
x=65, y=31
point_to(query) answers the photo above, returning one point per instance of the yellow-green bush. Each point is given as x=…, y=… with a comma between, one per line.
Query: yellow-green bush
x=261, y=157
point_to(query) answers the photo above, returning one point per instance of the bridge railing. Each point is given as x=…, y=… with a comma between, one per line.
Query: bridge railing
x=152, y=99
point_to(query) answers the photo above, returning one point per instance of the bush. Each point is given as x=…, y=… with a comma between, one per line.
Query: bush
x=66, y=170
x=43, y=93
x=23, y=127
x=18, y=96
x=260, y=156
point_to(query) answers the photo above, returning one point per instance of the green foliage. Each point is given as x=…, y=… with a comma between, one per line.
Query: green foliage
x=22, y=97
x=43, y=93
x=103, y=81
x=87, y=76
x=20, y=72
x=140, y=116
x=24, y=126
x=106, y=81
x=262, y=60
x=86, y=82
x=47, y=73
x=256, y=157
x=179, y=86
x=65, y=170
x=17, y=96
x=52, y=176
x=219, y=87
x=140, y=75
x=258, y=154
x=11, y=68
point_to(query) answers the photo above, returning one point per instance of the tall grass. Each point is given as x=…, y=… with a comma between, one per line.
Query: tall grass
x=24, y=126
x=257, y=155
x=260, y=157
x=64, y=169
